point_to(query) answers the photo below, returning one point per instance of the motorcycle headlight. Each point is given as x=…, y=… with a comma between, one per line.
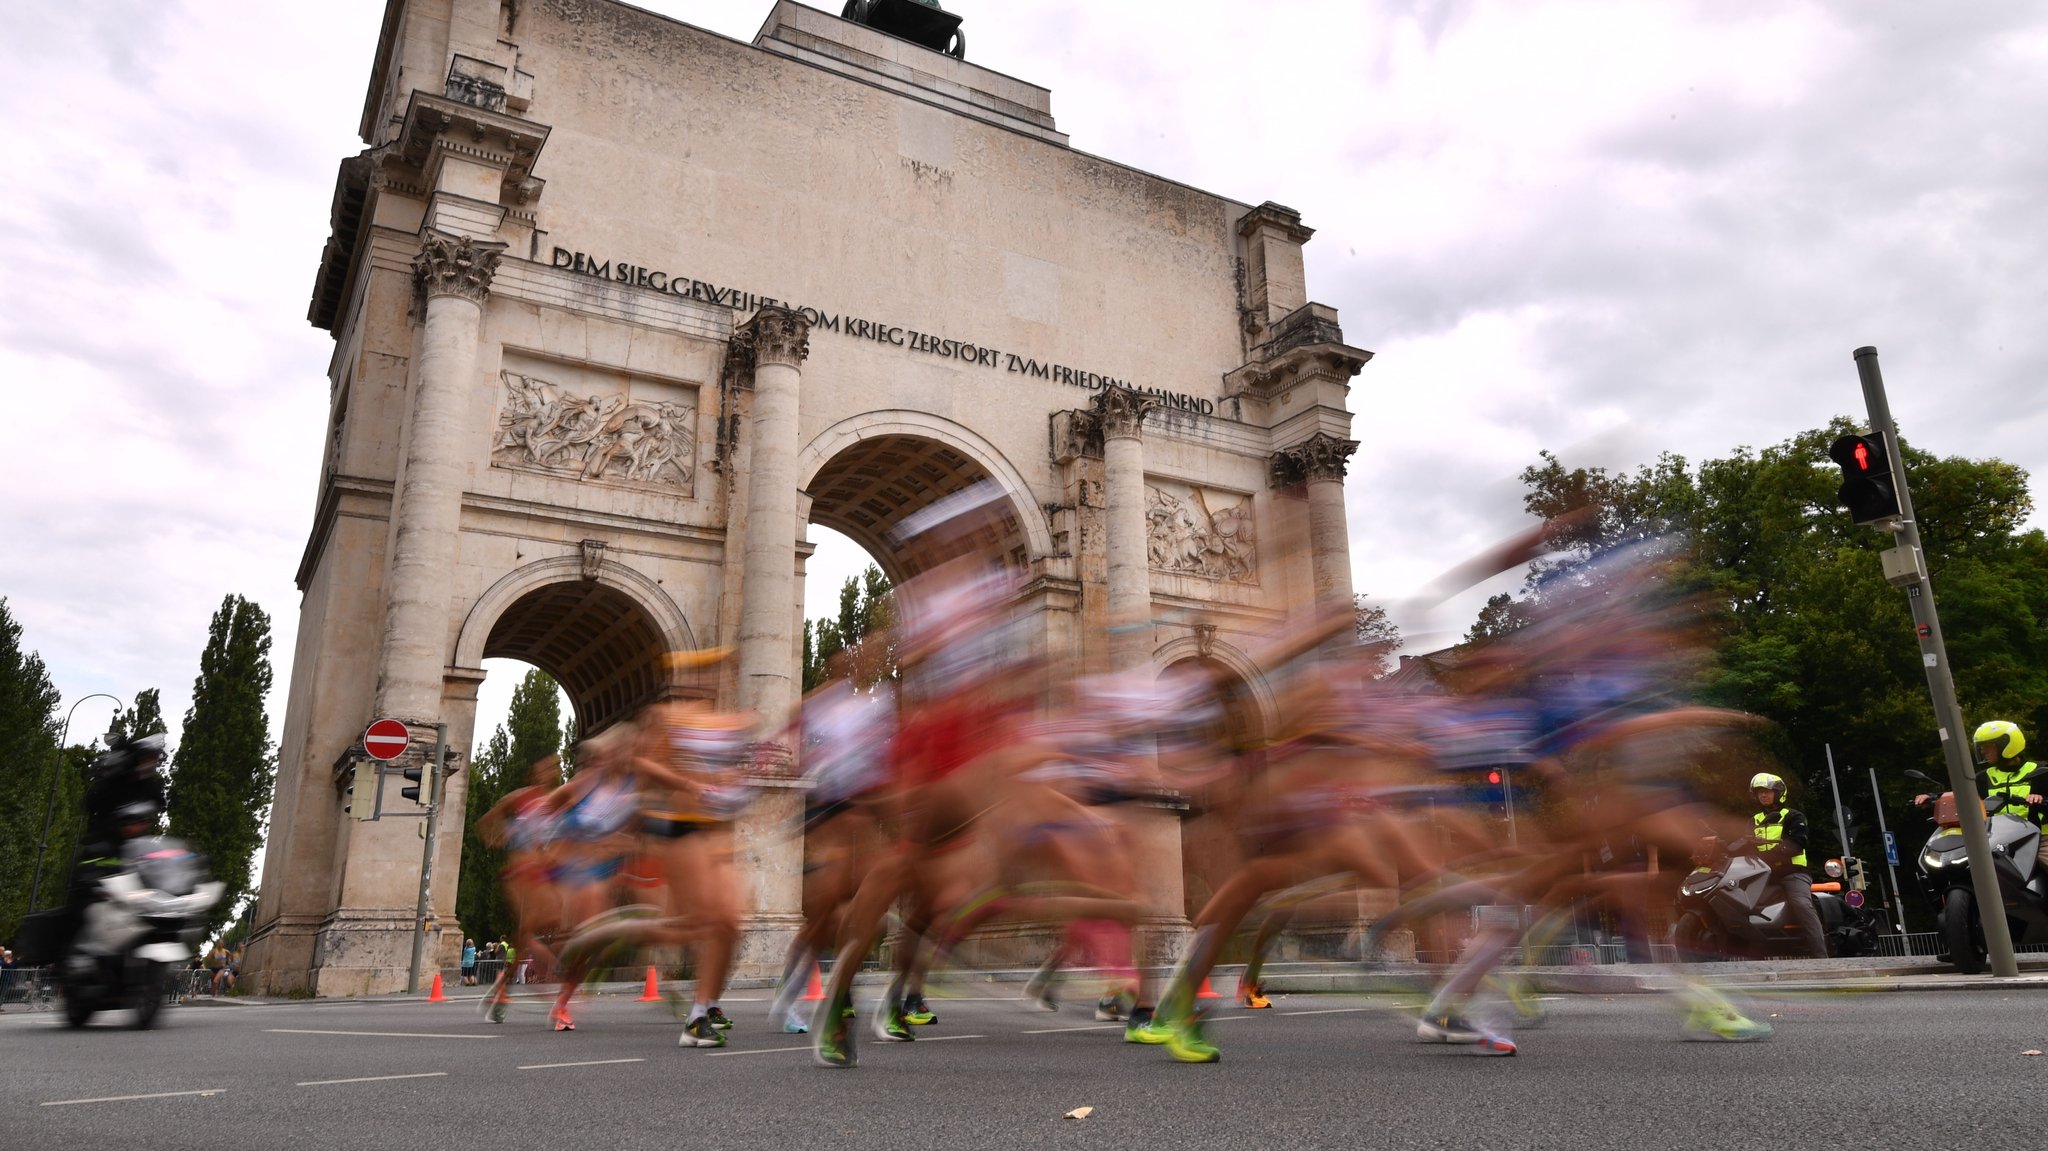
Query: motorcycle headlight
x=1930, y=860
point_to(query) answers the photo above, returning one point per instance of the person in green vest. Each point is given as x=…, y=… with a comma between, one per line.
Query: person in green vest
x=1780, y=836
x=2008, y=774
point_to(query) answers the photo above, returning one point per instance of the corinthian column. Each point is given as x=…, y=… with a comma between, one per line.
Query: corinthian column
x=1318, y=463
x=452, y=275
x=1122, y=413
x=776, y=340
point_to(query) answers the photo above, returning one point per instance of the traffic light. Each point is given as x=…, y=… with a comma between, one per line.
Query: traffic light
x=1497, y=792
x=412, y=774
x=359, y=794
x=1855, y=866
x=1867, y=489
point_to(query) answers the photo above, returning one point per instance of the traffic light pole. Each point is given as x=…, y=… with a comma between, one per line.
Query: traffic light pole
x=432, y=782
x=1891, y=853
x=1906, y=567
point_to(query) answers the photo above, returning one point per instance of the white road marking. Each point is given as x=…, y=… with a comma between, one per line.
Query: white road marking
x=584, y=1063
x=1334, y=1011
x=807, y=1047
x=380, y=1034
x=757, y=1051
x=1097, y=1027
x=370, y=1079
x=126, y=1098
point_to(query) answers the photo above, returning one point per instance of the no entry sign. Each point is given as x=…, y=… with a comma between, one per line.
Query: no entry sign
x=386, y=739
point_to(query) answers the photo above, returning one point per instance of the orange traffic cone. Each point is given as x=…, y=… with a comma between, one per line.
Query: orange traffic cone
x=1207, y=992
x=653, y=992
x=435, y=996
x=816, y=990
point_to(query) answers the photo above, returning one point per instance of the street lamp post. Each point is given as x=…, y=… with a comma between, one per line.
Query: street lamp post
x=50, y=807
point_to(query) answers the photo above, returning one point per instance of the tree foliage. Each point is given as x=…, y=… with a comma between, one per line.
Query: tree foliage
x=224, y=770
x=532, y=731
x=145, y=718
x=1376, y=630
x=1808, y=632
x=861, y=629
x=28, y=755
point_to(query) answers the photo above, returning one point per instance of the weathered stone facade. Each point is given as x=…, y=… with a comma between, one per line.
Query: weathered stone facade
x=620, y=305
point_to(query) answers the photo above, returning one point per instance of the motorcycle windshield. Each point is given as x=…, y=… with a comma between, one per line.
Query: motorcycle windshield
x=165, y=865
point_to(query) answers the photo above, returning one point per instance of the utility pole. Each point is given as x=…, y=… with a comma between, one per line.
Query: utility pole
x=1891, y=853
x=1906, y=567
x=432, y=783
x=1841, y=825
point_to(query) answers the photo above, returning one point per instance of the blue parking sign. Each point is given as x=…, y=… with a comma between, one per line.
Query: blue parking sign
x=1891, y=850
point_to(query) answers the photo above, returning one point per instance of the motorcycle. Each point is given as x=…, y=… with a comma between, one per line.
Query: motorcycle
x=1945, y=875
x=146, y=923
x=1730, y=907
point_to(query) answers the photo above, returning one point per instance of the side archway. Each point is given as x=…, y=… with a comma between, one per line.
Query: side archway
x=1257, y=691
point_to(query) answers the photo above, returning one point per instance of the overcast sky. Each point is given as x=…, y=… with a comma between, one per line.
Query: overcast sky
x=1606, y=229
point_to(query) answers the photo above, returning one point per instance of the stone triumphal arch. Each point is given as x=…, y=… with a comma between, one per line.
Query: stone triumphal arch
x=620, y=305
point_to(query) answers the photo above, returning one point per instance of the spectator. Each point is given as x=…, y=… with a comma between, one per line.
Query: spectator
x=6, y=977
x=468, y=963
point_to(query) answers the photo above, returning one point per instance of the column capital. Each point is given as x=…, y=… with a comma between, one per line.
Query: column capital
x=1121, y=412
x=776, y=335
x=455, y=266
x=1320, y=457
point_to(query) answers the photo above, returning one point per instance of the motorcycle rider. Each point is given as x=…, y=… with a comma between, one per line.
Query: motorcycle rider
x=2000, y=745
x=1780, y=835
x=122, y=802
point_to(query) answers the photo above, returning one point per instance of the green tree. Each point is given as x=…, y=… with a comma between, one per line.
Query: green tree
x=224, y=770
x=865, y=610
x=532, y=731
x=1377, y=630
x=145, y=718
x=28, y=745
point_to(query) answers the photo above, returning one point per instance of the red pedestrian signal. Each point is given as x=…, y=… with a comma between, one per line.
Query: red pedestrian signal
x=1493, y=777
x=1866, y=489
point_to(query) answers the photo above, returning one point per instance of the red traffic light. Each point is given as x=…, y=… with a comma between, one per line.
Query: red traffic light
x=1493, y=776
x=1862, y=454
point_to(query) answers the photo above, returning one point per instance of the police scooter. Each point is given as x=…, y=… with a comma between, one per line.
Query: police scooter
x=1945, y=875
x=1730, y=907
x=146, y=923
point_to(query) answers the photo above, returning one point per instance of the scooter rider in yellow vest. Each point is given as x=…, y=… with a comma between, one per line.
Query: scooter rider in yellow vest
x=2000, y=746
x=1781, y=842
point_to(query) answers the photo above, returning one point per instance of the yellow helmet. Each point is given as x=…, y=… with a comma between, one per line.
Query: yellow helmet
x=2001, y=730
x=1765, y=781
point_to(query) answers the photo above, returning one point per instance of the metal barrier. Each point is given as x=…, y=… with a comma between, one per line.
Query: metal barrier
x=30, y=987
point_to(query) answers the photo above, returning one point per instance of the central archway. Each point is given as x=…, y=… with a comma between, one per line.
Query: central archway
x=866, y=474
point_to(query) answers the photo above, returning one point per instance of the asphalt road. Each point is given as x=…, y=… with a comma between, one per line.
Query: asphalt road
x=1936, y=1070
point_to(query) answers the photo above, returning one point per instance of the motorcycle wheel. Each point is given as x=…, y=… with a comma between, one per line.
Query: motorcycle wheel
x=147, y=996
x=77, y=1007
x=1693, y=940
x=1958, y=931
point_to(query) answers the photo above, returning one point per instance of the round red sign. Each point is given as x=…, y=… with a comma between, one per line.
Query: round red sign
x=386, y=739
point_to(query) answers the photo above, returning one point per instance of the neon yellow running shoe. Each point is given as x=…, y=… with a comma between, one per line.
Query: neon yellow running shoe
x=1724, y=1026
x=1141, y=1027
x=1187, y=1044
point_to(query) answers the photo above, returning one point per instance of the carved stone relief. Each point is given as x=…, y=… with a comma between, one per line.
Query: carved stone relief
x=611, y=438
x=1185, y=535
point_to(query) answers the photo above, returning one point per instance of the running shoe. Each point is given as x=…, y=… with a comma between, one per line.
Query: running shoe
x=718, y=1019
x=497, y=1011
x=1141, y=1027
x=1187, y=1044
x=561, y=1020
x=1039, y=990
x=678, y=1005
x=889, y=1025
x=1114, y=1008
x=1712, y=1026
x=701, y=1032
x=834, y=1045
x=1249, y=995
x=1493, y=1044
x=795, y=1024
x=917, y=1012
x=1448, y=1029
